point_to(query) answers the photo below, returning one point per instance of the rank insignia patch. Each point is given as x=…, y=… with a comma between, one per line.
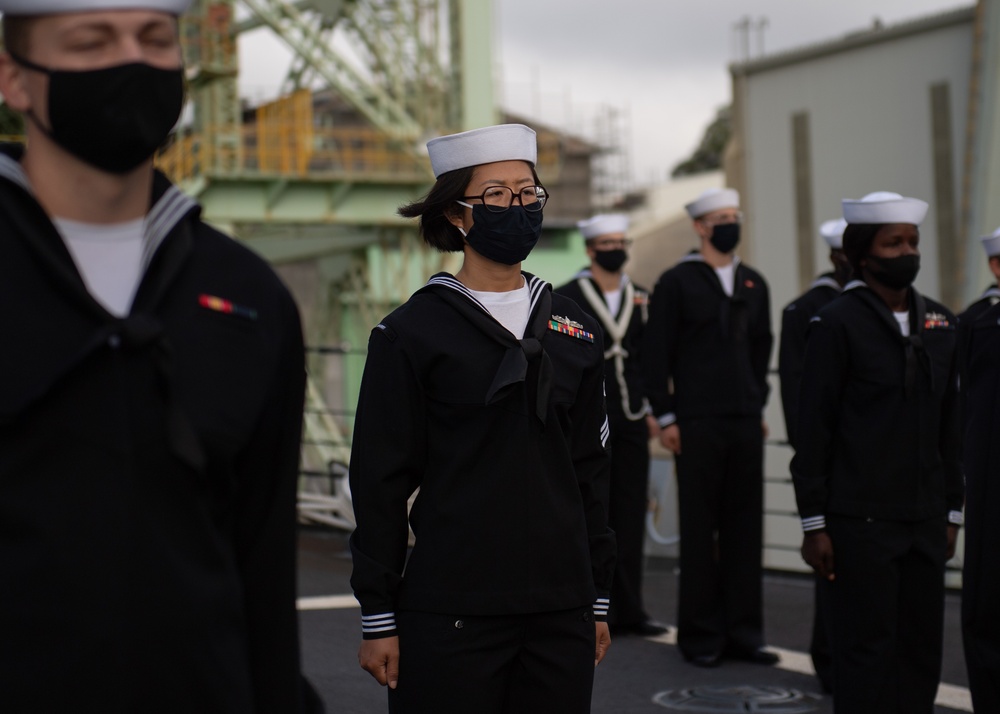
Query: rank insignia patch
x=218, y=304
x=934, y=320
x=568, y=327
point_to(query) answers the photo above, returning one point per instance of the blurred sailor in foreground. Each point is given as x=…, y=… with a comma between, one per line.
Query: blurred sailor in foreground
x=708, y=343
x=622, y=308
x=152, y=398
x=876, y=469
x=980, y=340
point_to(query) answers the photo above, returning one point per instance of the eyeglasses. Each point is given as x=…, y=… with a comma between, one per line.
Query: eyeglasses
x=722, y=220
x=612, y=243
x=498, y=199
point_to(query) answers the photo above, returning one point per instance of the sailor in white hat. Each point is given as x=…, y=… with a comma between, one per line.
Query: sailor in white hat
x=991, y=296
x=797, y=314
x=876, y=417
x=706, y=358
x=152, y=406
x=483, y=386
x=622, y=307
x=791, y=353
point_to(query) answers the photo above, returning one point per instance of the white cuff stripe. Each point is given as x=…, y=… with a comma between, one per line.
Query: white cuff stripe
x=378, y=623
x=814, y=523
x=370, y=630
x=956, y=517
x=601, y=606
x=605, y=432
x=667, y=419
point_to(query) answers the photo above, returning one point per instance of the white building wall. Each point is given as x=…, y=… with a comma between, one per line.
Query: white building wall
x=870, y=129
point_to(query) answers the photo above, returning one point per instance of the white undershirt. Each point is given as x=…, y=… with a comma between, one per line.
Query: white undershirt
x=614, y=300
x=727, y=276
x=109, y=258
x=903, y=318
x=510, y=309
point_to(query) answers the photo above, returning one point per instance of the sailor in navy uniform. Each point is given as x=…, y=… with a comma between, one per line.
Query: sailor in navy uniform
x=876, y=471
x=151, y=407
x=791, y=351
x=990, y=296
x=979, y=329
x=709, y=338
x=485, y=391
x=622, y=308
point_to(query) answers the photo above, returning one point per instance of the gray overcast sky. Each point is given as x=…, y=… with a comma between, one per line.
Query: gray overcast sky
x=662, y=63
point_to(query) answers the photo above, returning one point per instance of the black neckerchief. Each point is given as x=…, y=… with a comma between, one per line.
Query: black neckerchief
x=520, y=352
x=913, y=344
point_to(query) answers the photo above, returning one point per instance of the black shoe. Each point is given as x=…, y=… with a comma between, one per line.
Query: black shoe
x=646, y=628
x=706, y=660
x=650, y=628
x=757, y=656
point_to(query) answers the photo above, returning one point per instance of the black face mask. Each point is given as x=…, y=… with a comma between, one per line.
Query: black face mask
x=896, y=273
x=505, y=237
x=725, y=237
x=611, y=260
x=113, y=118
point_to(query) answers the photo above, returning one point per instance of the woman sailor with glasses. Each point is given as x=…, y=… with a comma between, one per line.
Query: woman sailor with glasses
x=485, y=390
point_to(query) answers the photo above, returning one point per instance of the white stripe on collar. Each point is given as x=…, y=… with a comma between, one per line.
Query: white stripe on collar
x=14, y=172
x=697, y=257
x=165, y=214
x=825, y=281
x=536, y=286
x=855, y=284
x=992, y=292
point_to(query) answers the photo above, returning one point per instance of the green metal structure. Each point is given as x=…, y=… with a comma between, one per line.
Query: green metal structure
x=300, y=186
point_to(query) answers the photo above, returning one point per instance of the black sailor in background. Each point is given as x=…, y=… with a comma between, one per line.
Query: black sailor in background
x=622, y=308
x=990, y=296
x=485, y=391
x=979, y=334
x=876, y=470
x=791, y=352
x=705, y=358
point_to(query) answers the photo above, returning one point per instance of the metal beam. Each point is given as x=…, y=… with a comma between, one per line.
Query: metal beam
x=307, y=40
x=242, y=199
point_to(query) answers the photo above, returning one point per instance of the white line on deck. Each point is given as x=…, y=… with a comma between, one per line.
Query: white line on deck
x=948, y=695
x=328, y=602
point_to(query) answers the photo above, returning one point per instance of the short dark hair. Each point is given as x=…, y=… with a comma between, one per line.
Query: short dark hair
x=858, y=239
x=17, y=33
x=435, y=208
x=439, y=204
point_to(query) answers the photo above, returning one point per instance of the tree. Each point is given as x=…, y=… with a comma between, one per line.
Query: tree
x=11, y=123
x=708, y=155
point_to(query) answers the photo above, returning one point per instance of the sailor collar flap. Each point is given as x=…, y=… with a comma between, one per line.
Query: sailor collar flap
x=915, y=354
x=519, y=353
x=741, y=280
